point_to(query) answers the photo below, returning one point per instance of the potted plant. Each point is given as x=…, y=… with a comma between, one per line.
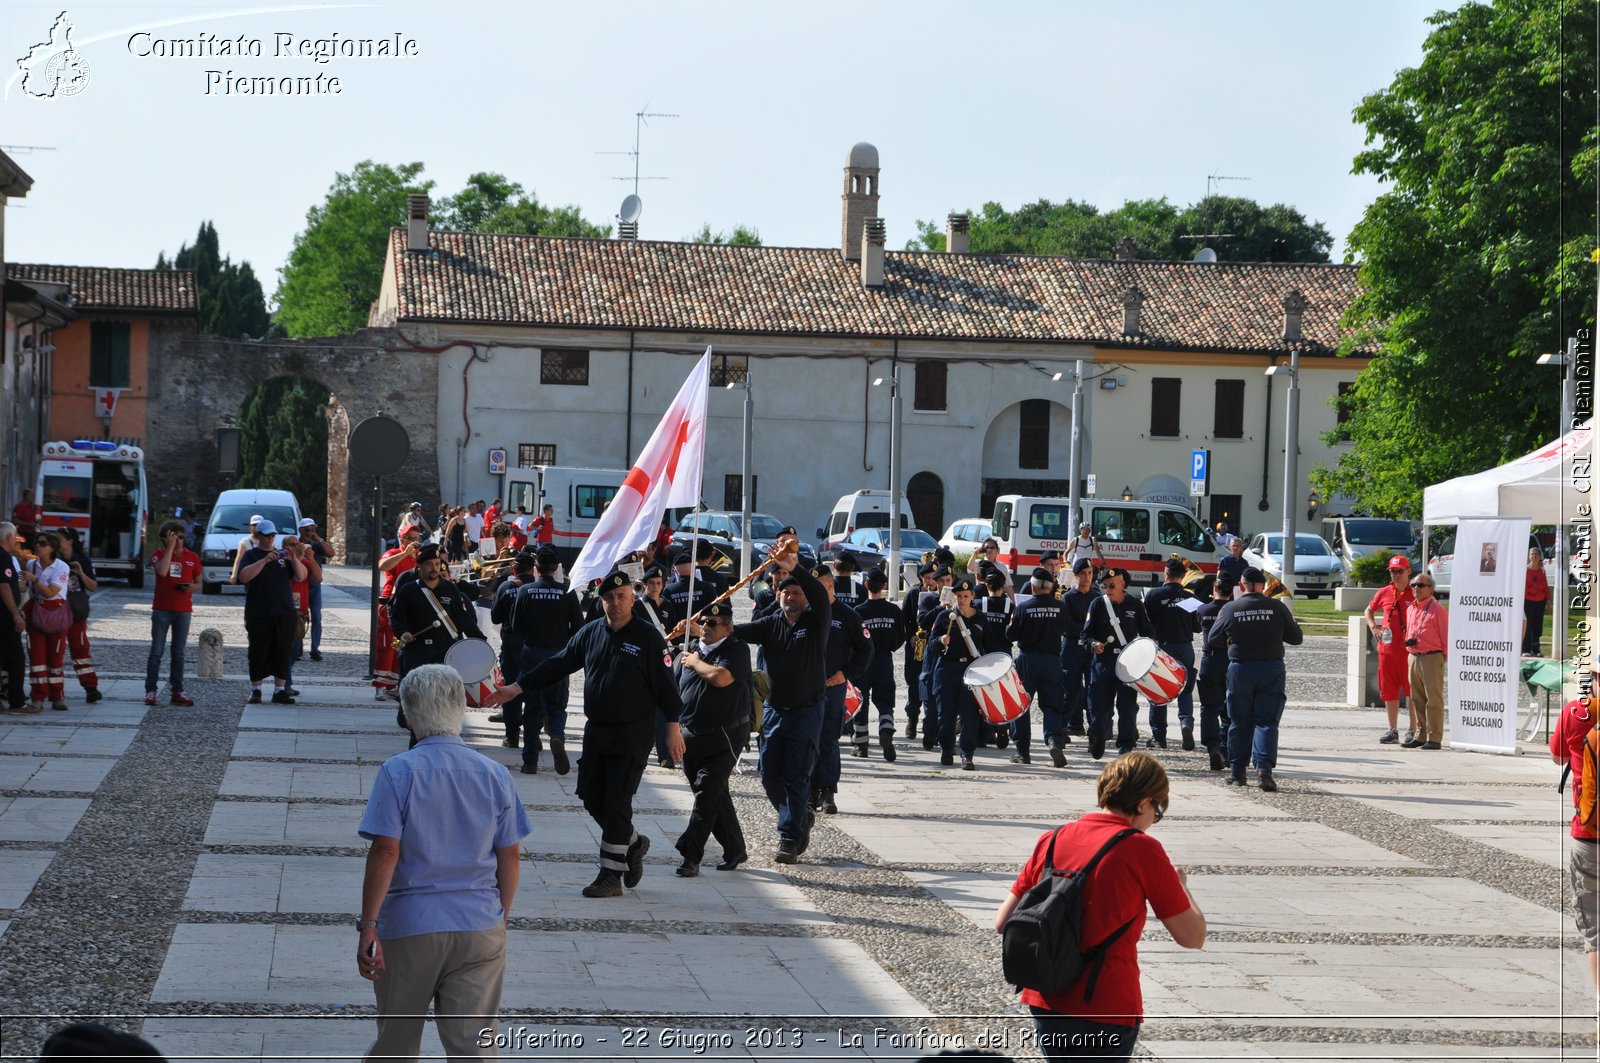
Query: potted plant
x=1368, y=573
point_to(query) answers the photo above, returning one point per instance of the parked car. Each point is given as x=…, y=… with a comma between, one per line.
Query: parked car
x=866, y=508
x=1353, y=537
x=1317, y=570
x=1442, y=560
x=966, y=534
x=722, y=529
x=230, y=522
x=871, y=547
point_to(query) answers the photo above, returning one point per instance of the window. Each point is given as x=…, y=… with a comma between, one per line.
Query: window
x=1033, y=438
x=563, y=367
x=521, y=494
x=733, y=491
x=108, y=354
x=1343, y=409
x=729, y=369
x=589, y=501
x=1047, y=522
x=1165, y=393
x=1229, y=417
x=1121, y=525
x=929, y=393
x=531, y=454
x=1182, y=531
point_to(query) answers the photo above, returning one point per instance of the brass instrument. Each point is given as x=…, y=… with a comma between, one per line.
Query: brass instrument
x=787, y=549
x=719, y=561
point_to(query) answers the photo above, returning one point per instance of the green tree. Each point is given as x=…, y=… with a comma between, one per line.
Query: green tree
x=336, y=265
x=1475, y=261
x=1244, y=230
x=741, y=236
x=283, y=441
x=230, y=297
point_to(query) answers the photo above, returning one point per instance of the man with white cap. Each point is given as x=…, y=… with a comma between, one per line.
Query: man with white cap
x=269, y=611
x=244, y=544
x=313, y=542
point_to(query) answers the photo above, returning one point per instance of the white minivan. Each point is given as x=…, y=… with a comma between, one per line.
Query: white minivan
x=866, y=508
x=230, y=522
x=1137, y=536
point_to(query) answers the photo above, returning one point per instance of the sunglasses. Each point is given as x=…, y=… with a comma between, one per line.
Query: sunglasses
x=1161, y=811
x=1421, y=583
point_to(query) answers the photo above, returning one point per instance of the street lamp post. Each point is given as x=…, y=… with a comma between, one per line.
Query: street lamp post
x=744, y=492
x=1075, y=451
x=1291, y=462
x=896, y=569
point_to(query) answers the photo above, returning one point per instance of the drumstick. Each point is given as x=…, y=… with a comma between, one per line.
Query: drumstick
x=955, y=617
x=678, y=628
x=411, y=636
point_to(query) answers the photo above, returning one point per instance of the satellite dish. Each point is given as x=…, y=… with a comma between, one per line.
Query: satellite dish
x=631, y=207
x=1205, y=254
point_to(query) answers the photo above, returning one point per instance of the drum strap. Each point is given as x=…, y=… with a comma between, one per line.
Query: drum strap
x=444, y=617
x=1111, y=615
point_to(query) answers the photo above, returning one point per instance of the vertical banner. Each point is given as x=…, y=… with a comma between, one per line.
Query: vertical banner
x=1484, y=654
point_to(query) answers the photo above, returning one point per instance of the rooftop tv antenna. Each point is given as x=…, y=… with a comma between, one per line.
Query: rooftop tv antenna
x=25, y=147
x=1216, y=176
x=641, y=118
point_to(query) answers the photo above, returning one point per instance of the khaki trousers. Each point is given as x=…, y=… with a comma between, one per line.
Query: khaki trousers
x=460, y=973
x=1426, y=675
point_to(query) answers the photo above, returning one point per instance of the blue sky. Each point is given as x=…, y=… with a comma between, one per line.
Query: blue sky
x=966, y=103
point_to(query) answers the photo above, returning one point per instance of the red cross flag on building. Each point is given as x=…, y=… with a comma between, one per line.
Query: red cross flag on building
x=667, y=474
x=105, y=402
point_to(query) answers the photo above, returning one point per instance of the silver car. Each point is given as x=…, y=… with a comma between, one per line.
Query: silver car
x=1316, y=570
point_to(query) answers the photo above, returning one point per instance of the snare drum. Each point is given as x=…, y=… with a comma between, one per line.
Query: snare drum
x=993, y=682
x=475, y=662
x=852, y=701
x=1150, y=670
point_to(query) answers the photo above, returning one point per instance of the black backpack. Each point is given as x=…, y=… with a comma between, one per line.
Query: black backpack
x=1042, y=947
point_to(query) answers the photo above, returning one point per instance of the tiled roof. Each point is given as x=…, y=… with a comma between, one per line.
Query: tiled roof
x=479, y=278
x=165, y=291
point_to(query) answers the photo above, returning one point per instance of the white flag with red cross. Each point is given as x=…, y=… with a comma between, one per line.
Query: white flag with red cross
x=105, y=402
x=667, y=474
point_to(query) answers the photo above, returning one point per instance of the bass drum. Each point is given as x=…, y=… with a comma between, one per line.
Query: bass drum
x=997, y=688
x=1150, y=670
x=475, y=662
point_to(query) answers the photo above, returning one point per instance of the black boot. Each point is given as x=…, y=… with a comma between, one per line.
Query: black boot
x=911, y=724
x=606, y=884
x=558, y=753
x=1217, y=763
x=827, y=804
x=886, y=743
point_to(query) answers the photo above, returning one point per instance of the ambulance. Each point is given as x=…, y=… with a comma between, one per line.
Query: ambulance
x=579, y=496
x=1137, y=536
x=98, y=487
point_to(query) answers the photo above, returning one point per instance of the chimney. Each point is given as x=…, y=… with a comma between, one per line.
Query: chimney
x=1132, y=303
x=955, y=234
x=627, y=230
x=860, y=197
x=1127, y=250
x=417, y=223
x=1294, y=308
x=873, y=235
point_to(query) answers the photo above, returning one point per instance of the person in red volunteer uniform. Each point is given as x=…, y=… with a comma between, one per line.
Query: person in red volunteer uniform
x=177, y=571
x=385, y=661
x=1577, y=718
x=1386, y=620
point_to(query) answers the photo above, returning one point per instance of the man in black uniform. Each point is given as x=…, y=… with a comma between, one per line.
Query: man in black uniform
x=626, y=681
x=1075, y=659
x=847, y=588
x=954, y=652
x=1175, y=628
x=796, y=642
x=546, y=614
x=1114, y=621
x=1036, y=627
x=651, y=607
x=1212, y=683
x=505, y=597
x=882, y=622
x=676, y=595
x=928, y=609
x=714, y=683
x=430, y=614
x=916, y=644
x=995, y=605
x=1254, y=628
x=848, y=655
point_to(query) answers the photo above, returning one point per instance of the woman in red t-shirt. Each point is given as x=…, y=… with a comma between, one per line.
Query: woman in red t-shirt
x=1577, y=719
x=1533, y=603
x=1133, y=792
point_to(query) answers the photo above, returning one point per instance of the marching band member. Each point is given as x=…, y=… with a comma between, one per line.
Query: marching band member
x=954, y=652
x=883, y=623
x=1113, y=622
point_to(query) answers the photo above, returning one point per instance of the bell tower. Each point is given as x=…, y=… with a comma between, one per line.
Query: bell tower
x=860, y=197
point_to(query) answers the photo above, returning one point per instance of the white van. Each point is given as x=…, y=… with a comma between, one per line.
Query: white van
x=1137, y=536
x=230, y=521
x=866, y=508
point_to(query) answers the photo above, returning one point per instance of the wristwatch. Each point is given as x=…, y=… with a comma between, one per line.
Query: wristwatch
x=366, y=924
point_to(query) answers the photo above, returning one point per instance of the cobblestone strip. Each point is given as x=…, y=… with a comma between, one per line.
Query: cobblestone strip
x=93, y=934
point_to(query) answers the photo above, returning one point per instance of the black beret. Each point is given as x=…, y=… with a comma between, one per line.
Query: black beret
x=877, y=579
x=1043, y=575
x=788, y=581
x=429, y=552
x=962, y=584
x=704, y=549
x=927, y=569
x=1081, y=564
x=717, y=610
x=944, y=571
x=822, y=572
x=525, y=561
x=1225, y=584
x=1174, y=566
x=615, y=582
x=788, y=529
x=653, y=572
x=1049, y=555
x=1253, y=575
x=683, y=557
x=549, y=555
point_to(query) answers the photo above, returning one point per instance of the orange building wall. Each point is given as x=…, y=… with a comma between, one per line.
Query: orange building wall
x=72, y=409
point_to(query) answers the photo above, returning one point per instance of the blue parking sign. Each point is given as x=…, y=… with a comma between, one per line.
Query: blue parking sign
x=1199, y=473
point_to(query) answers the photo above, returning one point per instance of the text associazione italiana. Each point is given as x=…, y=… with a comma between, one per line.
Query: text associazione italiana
x=281, y=47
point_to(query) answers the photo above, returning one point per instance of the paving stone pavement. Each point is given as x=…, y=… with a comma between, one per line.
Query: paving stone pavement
x=192, y=874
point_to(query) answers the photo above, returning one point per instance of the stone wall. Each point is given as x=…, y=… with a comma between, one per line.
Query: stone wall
x=197, y=385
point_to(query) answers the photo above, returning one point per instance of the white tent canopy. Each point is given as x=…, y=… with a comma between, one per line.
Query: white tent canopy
x=1538, y=485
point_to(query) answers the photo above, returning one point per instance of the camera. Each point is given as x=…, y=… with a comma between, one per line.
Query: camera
x=1411, y=642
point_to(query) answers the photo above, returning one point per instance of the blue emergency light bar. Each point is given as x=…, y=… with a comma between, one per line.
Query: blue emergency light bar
x=93, y=444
